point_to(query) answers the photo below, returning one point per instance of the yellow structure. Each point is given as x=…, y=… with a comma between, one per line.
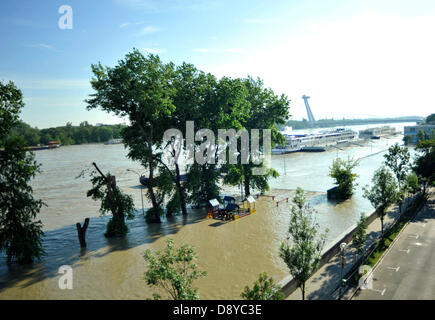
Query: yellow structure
x=249, y=203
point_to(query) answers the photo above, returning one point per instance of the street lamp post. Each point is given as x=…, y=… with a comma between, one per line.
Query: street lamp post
x=141, y=194
x=342, y=260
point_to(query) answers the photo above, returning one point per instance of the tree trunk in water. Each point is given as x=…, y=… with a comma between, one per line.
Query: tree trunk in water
x=82, y=232
x=247, y=189
x=151, y=191
x=180, y=190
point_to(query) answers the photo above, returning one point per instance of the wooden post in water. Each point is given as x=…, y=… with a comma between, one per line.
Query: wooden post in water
x=81, y=231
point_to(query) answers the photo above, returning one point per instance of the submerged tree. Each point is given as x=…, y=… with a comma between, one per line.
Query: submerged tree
x=264, y=110
x=263, y=289
x=20, y=231
x=173, y=270
x=139, y=88
x=303, y=250
x=383, y=193
x=341, y=171
x=114, y=201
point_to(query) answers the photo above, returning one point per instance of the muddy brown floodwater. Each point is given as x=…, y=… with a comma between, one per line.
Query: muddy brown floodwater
x=233, y=254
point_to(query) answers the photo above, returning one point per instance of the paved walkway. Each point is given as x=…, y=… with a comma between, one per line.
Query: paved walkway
x=406, y=272
x=322, y=284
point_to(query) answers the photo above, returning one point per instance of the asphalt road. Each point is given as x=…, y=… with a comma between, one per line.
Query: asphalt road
x=407, y=271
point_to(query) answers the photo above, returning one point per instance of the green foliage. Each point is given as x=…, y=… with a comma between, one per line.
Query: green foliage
x=383, y=193
x=20, y=231
x=341, y=171
x=153, y=215
x=11, y=103
x=120, y=205
x=425, y=163
x=360, y=237
x=173, y=205
x=264, y=289
x=202, y=183
x=116, y=228
x=397, y=159
x=430, y=118
x=173, y=270
x=412, y=182
x=157, y=96
x=299, y=199
x=69, y=134
x=140, y=88
x=303, y=250
x=422, y=136
x=407, y=140
x=264, y=110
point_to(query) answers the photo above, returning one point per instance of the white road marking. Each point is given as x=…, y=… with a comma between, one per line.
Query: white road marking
x=407, y=250
x=414, y=236
x=396, y=269
x=379, y=291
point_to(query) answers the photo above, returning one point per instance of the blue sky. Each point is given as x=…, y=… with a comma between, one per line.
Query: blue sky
x=354, y=58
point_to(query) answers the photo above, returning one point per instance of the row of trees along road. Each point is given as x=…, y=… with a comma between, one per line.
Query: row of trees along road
x=398, y=176
x=156, y=96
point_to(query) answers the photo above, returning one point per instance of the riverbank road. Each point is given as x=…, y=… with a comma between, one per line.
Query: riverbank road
x=407, y=270
x=323, y=283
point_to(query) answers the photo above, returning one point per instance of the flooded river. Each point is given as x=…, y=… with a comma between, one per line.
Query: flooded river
x=233, y=254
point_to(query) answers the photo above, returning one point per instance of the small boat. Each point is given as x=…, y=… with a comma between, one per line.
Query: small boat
x=50, y=145
x=114, y=141
x=313, y=149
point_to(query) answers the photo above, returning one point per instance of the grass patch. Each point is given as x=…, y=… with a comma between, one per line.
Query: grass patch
x=386, y=241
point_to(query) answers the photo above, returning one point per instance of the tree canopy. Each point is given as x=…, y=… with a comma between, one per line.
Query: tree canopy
x=303, y=250
x=383, y=193
x=430, y=118
x=173, y=270
x=341, y=171
x=263, y=289
x=397, y=159
x=20, y=231
x=66, y=135
x=157, y=96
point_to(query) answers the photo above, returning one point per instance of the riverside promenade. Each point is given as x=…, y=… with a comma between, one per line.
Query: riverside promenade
x=405, y=272
x=323, y=284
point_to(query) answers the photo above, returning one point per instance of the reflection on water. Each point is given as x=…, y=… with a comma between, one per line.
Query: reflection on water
x=233, y=254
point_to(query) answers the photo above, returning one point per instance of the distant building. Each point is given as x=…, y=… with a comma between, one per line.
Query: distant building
x=376, y=133
x=99, y=124
x=412, y=131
